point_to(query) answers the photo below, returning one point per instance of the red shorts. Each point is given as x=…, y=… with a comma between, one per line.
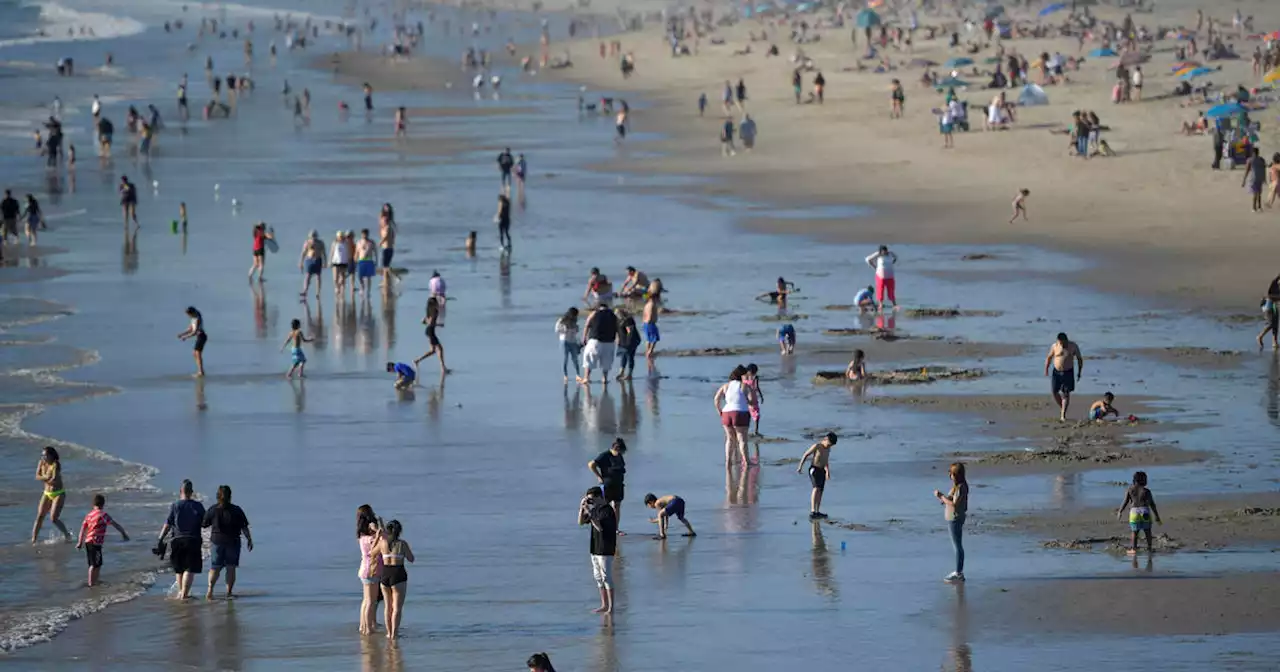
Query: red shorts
x=735, y=419
x=886, y=286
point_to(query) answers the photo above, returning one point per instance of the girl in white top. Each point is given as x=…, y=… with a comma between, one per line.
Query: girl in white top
x=883, y=261
x=340, y=260
x=733, y=402
x=567, y=330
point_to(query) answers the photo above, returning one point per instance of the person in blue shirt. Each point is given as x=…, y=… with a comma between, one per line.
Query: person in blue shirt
x=865, y=299
x=405, y=375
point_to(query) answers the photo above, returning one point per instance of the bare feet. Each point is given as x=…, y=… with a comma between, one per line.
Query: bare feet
x=602, y=609
x=209, y=595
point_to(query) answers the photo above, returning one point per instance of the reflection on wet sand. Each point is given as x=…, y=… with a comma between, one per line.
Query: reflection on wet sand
x=201, y=402
x=1273, y=388
x=299, y=387
x=628, y=413
x=1066, y=487
x=572, y=407
x=128, y=255
x=651, y=395
x=367, y=327
x=959, y=654
x=260, y=321
x=822, y=578
x=379, y=655
x=435, y=399
x=504, y=278
x=228, y=653
x=389, y=314
x=315, y=323
x=600, y=415
x=606, y=650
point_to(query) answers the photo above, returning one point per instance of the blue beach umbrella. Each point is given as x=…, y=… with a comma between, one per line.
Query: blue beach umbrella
x=1054, y=8
x=1198, y=72
x=867, y=18
x=1104, y=52
x=957, y=62
x=1224, y=110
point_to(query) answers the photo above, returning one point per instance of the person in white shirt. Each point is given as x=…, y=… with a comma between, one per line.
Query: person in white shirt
x=1137, y=82
x=883, y=261
x=97, y=107
x=437, y=288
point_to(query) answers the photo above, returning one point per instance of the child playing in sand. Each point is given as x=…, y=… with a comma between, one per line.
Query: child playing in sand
x=865, y=300
x=294, y=340
x=405, y=375
x=819, y=472
x=1020, y=205
x=752, y=380
x=787, y=338
x=93, y=531
x=857, y=369
x=1142, y=507
x=1102, y=408
x=667, y=506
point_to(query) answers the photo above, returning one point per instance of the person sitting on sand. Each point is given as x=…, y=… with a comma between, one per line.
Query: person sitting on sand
x=405, y=374
x=667, y=506
x=1199, y=127
x=865, y=300
x=1142, y=507
x=1102, y=408
x=857, y=369
x=636, y=284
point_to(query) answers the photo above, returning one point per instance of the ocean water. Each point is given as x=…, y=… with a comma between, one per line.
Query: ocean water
x=485, y=467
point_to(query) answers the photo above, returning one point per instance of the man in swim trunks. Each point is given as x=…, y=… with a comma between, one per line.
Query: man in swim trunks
x=652, y=307
x=366, y=263
x=636, y=284
x=1068, y=366
x=185, y=519
x=819, y=472
x=667, y=506
x=405, y=375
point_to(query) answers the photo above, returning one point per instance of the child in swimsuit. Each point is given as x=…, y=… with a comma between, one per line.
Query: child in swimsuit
x=294, y=340
x=667, y=506
x=1102, y=408
x=1142, y=508
x=752, y=380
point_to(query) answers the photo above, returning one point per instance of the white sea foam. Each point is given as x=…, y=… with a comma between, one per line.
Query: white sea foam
x=56, y=20
x=42, y=625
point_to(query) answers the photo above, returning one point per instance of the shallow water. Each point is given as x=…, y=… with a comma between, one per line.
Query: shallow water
x=485, y=467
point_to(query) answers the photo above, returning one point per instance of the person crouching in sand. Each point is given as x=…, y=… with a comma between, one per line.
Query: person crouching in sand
x=405, y=375
x=857, y=369
x=1102, y=408
x=667, y=506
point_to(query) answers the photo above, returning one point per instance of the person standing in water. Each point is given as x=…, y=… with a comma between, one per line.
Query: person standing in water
x=226, y=522
x=505, y=163
x=340, y=262
x=129, y=202
x=311, y=263
x=49, y=472
x=366, y=263
x=652, y=308
x=34, y=219
x=522, y=172
x=733, y=402
x=667, y=506
x=370, y=572
x=260, y=237
x=1142, y=509
x=628, y=343
x=294, y=340
x=387, y=238
x=196, y=330
x=819, y=457
x=956, y=506
x=395, y=578
x=1067, y=367
x=610, y=468
x=93, y=533
x=752, y=380
x=368, y=100
x=432, y=320
x=599, y=343
x=503, y=218
x=567, y=331
x=882, y=261
x=593, y=510
x=185, y=518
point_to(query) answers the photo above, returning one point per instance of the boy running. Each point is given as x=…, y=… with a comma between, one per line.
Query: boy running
x=1020, y=206
x=819, y=471
x=294, y=340
x=93, y=531
x=667, y=506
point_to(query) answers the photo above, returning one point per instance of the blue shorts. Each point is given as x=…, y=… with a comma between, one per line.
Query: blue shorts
x=787, y=334
x=1142, y=526
x=298, y=357
x=366, y=269
x=650, y=330
x=225, y=555
x=674, y=508
x=313, y=266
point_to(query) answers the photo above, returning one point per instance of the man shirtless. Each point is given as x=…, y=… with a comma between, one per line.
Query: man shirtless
x=1068, y=366
x=652, y=307
x=636, y=284
x=819, y=472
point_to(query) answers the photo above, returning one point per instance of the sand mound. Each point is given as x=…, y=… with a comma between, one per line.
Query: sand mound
x=910, y=376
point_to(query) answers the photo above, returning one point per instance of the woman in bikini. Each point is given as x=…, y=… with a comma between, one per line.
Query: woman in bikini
x=49, y=471
x=394, y=551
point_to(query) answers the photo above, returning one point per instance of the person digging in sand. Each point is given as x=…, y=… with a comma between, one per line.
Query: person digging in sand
x=1142, y=508
x=1102, y=408
x=667, y=506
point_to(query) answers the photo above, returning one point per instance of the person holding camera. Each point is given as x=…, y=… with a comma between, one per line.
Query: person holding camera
x=184, y=521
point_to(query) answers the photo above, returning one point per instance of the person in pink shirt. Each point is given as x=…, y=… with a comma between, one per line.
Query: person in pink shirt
x=93, y=531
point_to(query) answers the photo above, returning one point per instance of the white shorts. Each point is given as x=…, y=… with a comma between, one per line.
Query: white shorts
x=598, y=356
x=602, y=569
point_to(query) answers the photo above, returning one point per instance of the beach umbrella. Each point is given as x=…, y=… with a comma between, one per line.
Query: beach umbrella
x=1185, y=70
x=1179, y=67
x=1052, y=9
x=1271, y=77
x=958, y=61
x=1104, y=52
x=1198, y=72
x=1225, y=110
x=867, y=18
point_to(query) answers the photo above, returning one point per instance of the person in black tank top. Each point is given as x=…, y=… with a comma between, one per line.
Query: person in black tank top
x=600, y=335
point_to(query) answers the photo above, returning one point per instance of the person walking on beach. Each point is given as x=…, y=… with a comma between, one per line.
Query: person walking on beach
x=366, y=263
x=340, y=262
x=599, y=336
x=883, y=261
x=9, y=211
x=260, y=237
x=1020, y=205
x=436, y=287
x=522, y=173
x=432, y=320
x=49, y=472
x=185, y=519
x=819, y=457
x=620, y=126
x=1142, y=509
x=129, y=202
x=370, y=572
x=311, y=263
x=394, y=578
x=226, y=522
x=726, y=138
x=196, y=330
x=567, y=331
x=667, y=506
x=610, y=468
x=34, y=219
x=593, y=510
x=294, y=341
x=93, y=533
x=733, y=403
x=726, y=99
x=503, y=219
x=1068, y=366
x=1256, y=169
x=955, y=507
x=387, y=238
x=797, y=83
x=819, y=86
x=368, y=100
x=505, y=163
x=628, y=344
